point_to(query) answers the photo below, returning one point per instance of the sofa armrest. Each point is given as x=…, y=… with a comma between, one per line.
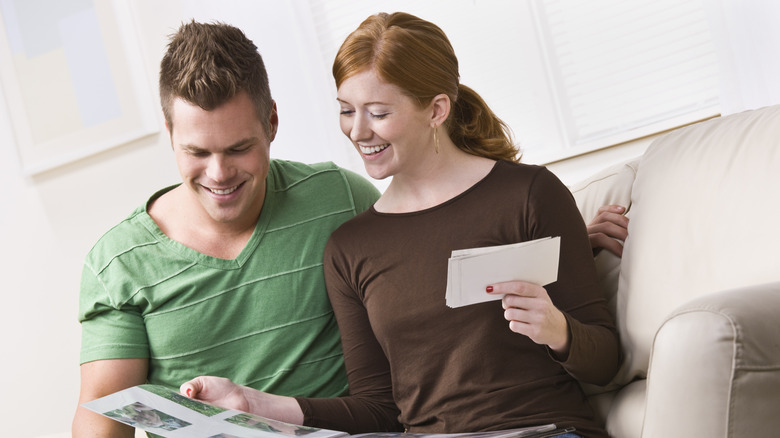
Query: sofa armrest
x=715, y=367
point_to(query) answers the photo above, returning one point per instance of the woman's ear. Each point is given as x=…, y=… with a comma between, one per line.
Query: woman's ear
x=440, y=106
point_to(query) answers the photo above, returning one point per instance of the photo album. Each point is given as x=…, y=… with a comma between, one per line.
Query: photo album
x=165, y=412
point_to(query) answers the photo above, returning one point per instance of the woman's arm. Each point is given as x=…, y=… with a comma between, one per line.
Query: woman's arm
x=368, y=408
x=222, y=392
x=593, y=353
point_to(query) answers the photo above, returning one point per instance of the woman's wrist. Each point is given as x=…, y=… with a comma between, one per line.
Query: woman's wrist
x=272, y=406
x=561, y=348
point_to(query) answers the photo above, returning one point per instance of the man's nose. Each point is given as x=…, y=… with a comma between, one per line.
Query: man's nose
x=219, y=168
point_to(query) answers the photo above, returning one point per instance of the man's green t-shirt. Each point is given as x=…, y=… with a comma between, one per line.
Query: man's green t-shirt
x=262, y=319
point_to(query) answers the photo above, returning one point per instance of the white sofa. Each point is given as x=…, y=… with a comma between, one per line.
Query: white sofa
x=697, y=292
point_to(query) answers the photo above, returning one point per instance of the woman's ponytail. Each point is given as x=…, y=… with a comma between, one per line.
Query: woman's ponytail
x=475, y=129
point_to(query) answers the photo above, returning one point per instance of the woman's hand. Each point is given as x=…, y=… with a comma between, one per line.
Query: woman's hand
x=608, y=229
x=530, y=312
x=226, y=394
x=217, y=391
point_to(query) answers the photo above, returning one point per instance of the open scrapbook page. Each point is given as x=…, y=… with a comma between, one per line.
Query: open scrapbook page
x=164, y=412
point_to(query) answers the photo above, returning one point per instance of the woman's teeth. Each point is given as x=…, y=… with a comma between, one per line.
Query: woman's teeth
x=368, y=150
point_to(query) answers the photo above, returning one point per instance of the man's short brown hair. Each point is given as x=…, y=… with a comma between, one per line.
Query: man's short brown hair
x=207, y=64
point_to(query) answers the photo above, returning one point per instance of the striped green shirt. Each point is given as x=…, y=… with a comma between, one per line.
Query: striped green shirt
x=262, y=319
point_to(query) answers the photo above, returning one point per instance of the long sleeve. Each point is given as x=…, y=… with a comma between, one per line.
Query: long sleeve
x=369, y=406
x=594, y=353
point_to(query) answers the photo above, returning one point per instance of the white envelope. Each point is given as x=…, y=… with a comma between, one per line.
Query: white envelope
x=470, y=271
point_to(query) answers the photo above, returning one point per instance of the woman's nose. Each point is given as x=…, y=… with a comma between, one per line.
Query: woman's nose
x=360, y=130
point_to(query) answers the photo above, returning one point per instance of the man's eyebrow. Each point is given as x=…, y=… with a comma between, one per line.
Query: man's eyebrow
x=243, y=142
x=190, y=148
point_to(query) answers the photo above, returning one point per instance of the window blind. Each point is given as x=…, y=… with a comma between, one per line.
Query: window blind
x=622, y=70
x=568, y=76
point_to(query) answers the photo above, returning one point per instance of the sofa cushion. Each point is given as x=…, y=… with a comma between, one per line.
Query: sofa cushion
x=609, y=186
x=705, y=209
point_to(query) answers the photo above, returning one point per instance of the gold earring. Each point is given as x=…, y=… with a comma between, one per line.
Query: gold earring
x=435, y=140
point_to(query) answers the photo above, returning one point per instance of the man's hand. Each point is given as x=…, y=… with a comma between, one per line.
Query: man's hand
x=609, y=229
x=101, y=378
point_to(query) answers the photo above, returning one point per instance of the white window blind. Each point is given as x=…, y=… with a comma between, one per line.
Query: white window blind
x=620, y=70
x=568, y=76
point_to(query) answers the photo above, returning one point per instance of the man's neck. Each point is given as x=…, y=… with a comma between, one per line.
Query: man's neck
x=186, y=222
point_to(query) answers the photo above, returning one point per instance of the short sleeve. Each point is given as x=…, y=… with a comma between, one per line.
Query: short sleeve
x=108, y=331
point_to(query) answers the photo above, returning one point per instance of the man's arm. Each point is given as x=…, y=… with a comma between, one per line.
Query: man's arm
x=100, y=378
x=608, y=229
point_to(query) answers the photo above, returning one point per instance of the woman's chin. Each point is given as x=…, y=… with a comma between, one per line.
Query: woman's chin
x=378, y=174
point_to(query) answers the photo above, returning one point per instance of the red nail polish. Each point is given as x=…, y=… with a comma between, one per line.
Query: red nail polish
x=189, y=392
x=489, y=289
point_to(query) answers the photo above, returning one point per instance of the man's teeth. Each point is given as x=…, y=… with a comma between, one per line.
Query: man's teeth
x=373, y=149
x=224, y=192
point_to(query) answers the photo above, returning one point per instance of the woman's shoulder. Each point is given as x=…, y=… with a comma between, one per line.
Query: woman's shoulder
x=352, y=236
x=357, y=225
x=519, y=167
x=522, y=173
x=530, y=181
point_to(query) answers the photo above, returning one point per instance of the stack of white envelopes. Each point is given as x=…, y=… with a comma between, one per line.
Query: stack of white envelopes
x=470, y=271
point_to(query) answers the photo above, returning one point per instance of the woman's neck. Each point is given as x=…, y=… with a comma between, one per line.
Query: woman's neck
x=447, y=176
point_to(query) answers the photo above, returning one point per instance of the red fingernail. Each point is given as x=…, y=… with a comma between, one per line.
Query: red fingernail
x=489, y=289
x=189, y=392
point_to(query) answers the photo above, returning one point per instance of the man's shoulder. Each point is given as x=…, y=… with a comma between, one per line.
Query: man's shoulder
x=287, y=174
x=324, y=176
x=128, y=234
x=305, y=191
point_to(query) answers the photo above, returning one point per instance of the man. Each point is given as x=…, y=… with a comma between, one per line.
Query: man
x=221, y=274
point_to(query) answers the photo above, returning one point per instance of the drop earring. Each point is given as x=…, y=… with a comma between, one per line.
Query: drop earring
x=435, y=140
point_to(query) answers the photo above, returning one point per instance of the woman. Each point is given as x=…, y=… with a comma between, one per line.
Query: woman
x=456, y=184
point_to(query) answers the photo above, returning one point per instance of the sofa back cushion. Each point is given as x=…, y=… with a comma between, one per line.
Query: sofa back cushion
x=705, y=217
x=609, y=186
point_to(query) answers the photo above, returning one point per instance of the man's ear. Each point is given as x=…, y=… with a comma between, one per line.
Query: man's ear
x=440, y=109
x=273, y=123
x=169, y=130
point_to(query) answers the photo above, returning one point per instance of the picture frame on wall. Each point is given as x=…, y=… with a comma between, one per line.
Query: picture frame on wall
x=73, y=80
